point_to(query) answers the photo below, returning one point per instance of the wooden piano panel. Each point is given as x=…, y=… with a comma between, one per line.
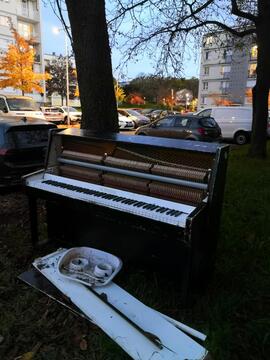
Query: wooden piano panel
x=164, y=156
x=93, y=147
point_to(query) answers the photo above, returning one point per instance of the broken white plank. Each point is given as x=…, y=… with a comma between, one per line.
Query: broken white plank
x=187, y=329
x=176, y=344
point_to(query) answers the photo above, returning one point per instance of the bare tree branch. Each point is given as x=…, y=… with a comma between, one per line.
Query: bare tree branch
x=62, y=19
x=127, y=9
x=236, y=11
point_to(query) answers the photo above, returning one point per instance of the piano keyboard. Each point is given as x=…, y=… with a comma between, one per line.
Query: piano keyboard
x=141, y=205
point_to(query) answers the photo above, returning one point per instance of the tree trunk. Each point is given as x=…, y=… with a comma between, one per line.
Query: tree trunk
x=93, y=61
x=261, y=91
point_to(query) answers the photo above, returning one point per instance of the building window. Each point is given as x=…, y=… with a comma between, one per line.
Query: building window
x=4, y=21
x=207, y=55
x=225, y=70
x=205, y=85
x=252, y=70
x=209, y=40
x=206, y=70
x=4, y=43
x=254, y=52
x=227, y=55
x=224, y=84
x=25, y=30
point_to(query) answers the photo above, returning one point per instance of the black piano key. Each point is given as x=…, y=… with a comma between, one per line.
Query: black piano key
x=132, y=202
x=178, y=213
x=141, y=204
x=163, y=210
x=118, y=198
x=146, y=206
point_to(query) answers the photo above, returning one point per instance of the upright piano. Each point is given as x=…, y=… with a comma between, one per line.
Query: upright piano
x=151, y=201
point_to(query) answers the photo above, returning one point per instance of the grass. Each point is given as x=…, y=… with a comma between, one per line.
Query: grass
x=234, y=312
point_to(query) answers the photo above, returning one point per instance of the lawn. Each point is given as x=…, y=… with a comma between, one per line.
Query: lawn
x=234, y=312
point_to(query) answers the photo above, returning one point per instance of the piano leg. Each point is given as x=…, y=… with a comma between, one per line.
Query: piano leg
x=33, y=219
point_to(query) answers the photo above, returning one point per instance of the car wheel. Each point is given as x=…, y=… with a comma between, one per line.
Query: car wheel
x=241, y=138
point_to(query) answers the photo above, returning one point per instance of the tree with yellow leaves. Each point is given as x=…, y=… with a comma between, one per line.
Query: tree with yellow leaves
x=16, y=67
x=119, y=93
x=77, y=91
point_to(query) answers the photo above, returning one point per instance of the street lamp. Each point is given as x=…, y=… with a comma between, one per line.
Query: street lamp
x=172, y=98
x=187, y=100
x=56, y=31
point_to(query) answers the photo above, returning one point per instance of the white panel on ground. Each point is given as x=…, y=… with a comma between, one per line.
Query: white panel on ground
x=141, y=331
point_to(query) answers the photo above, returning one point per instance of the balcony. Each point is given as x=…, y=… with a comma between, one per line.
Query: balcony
x=28, y=12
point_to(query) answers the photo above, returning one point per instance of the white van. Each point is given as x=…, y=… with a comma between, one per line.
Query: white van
x=235, y=121
x=19, y=106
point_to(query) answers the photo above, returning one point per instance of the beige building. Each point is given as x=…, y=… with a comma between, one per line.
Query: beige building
x=24, y=15
x=227, y=71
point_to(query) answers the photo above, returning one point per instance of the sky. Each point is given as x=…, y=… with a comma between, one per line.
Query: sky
x=56, y=43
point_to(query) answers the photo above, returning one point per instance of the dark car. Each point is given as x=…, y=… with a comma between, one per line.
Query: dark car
x=23, y=144
x=188, y=127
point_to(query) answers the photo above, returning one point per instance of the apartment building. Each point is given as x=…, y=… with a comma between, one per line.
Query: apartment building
x=227, y=70
x=25, y=16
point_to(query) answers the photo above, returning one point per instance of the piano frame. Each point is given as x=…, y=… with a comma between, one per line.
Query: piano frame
x=191, y=250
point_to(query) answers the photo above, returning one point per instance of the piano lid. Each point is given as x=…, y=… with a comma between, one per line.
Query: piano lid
x=188, y=145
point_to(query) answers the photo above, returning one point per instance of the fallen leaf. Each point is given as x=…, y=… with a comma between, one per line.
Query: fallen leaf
x=28, y=356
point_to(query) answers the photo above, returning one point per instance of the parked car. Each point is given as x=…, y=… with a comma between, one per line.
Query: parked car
x=23, y=144
x=53, y=114
x=125, y=123
x=235, y=122
x=74, y=114
x=136, y=117
x=183, y=127
x=19, y=106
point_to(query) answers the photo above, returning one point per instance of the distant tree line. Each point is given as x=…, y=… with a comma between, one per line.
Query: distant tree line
x=155, y=88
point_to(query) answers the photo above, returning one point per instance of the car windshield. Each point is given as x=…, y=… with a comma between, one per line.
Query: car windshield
x=122, y=112
x=54, y=110
x=21, y=104
x=133, y=112
x=71, y=109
